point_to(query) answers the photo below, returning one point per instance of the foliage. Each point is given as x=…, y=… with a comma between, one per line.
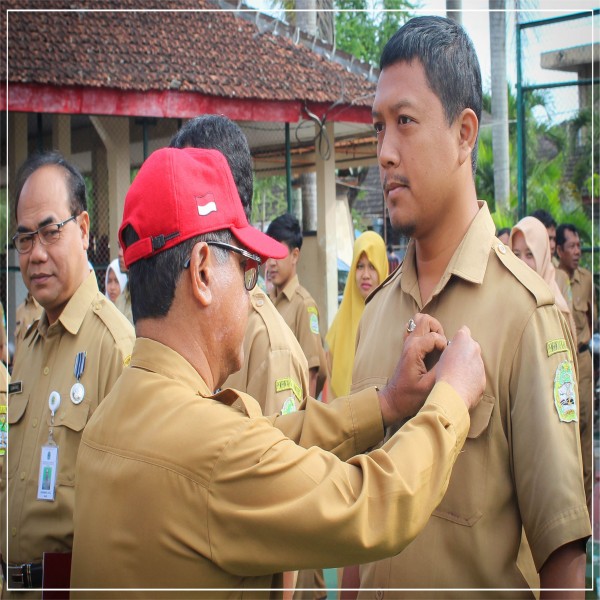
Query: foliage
x=268, y=200
x=364, y=36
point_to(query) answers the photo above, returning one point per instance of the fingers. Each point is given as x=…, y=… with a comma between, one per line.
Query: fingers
x=423, y=323
x=425, y=343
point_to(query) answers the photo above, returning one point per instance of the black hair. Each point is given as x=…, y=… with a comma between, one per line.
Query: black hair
x=545, y=217
x=153, y=281
x=74, y=179
x=286, y=229
x=503, y=231
x=561, y=238
x=449, y=60
x=220, y=133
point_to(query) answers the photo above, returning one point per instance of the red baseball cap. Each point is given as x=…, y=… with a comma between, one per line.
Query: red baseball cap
x=182, y=192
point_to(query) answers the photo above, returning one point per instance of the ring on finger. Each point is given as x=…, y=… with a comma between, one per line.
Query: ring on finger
x=411, y=325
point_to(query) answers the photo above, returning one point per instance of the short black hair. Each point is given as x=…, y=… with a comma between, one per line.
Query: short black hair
x=74, y=178
x=545, y=217
x=153, y=281
x=561, y=238
x=217, y=132
x=286, y=229
x=449, y=60
x=503, y=231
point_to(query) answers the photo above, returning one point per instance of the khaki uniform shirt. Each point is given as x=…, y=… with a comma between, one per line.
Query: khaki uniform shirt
x=177, y=488
x=300, y=312
x=521, y=464
x=275, y=371
x=123, y=303
x=27, y=313
x=89, y=323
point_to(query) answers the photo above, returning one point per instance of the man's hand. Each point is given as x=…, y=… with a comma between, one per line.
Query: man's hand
x=461, y=366
x=410, y=384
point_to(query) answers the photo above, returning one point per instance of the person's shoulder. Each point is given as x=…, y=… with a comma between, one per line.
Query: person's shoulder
x=386, y=284
x=119, y=328
x=306, y=296
x=523, y=276
x=585, y=274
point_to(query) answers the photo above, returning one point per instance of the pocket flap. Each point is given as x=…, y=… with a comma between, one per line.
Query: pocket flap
x=17, y=404
x=480, y=417
x=74, y=417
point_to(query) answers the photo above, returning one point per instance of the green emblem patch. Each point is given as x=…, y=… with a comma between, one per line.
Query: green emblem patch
x=314, y=319
x=289, y=406
x=564, y=392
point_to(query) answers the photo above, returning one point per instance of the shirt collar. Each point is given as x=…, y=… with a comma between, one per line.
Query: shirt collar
x=470, y=259
x=290, y=289
x=74, y=312
x=156, y=357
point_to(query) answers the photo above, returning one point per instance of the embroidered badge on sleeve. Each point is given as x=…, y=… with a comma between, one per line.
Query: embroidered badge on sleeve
x=564, y=392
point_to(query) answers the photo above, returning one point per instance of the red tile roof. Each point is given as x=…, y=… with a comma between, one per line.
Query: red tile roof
x=196, y=48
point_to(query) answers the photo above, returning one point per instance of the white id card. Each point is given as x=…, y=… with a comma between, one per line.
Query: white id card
x=48, y=467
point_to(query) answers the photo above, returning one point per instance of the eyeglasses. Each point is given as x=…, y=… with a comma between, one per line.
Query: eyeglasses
x=48, y=234
x=250, y=265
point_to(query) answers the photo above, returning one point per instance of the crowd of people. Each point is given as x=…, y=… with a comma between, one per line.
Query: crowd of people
x=168, y=434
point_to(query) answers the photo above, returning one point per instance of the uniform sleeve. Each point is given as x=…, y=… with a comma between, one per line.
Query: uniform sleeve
x=544, y=436
x=276, y=382
x=267, y=490
x=308, y=333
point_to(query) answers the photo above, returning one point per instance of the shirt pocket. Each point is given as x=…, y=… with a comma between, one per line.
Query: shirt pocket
x=69, y=422
x=17, y=404
x=464, y=500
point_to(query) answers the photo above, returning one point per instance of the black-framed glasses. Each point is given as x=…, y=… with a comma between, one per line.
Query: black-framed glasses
x=250, y=265
x=48, y=235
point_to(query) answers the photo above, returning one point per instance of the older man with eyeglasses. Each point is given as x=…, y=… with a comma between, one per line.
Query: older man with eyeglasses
x=183, y=485
x=67, y=363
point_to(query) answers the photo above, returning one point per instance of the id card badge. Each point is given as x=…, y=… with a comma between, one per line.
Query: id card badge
x=48, y=467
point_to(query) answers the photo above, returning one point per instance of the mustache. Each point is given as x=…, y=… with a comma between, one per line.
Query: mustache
x=397, y=179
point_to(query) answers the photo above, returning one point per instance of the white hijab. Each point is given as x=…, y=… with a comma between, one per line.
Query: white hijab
x=121, y=277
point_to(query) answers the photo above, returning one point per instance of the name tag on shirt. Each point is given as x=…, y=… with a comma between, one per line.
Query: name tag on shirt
x=47, y=478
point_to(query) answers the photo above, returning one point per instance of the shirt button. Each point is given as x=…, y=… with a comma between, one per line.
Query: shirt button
x=35, y=422
x=502, y=248
x=23, y=475
x=14, y=531
x=259, y=302
x=97, y=306
x=46, y=370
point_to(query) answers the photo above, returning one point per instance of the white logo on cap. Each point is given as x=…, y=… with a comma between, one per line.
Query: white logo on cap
x=206, y=209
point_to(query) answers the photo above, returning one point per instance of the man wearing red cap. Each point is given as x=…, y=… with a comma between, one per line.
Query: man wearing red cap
x=213, y=494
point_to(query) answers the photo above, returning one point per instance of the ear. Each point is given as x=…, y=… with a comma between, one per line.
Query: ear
x=84, y=225
x=295, y=254
x=201, y=273
x=559, y=251
x=469, y=128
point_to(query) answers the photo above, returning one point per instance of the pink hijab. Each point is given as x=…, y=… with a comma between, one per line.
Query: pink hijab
x=536, y=238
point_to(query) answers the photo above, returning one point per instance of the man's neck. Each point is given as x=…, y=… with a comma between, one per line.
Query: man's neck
x=434, y=250
x=570, y=272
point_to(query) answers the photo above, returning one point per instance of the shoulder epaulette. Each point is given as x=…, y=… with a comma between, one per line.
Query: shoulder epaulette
x=524, y=274
x=117, y=324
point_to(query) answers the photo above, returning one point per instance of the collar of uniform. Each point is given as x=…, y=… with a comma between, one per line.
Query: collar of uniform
x=156, y=357
x=290, y=289
x=469, y=260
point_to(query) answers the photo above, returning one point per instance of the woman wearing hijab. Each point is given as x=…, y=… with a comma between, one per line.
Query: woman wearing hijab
x=369, y=269
x=529, y=242
x=115, y=281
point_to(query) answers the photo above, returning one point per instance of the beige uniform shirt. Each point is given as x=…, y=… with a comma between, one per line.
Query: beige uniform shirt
x=300, y=312
x=521, y=464
x=275, y=371
x=123, y=303
x=176, y=488
x=27, y=313
x=89, y=323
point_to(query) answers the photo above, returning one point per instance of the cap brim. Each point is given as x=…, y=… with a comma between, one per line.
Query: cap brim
x=259, y=243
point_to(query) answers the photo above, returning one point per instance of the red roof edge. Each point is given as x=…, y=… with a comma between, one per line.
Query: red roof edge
x=27, y=97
